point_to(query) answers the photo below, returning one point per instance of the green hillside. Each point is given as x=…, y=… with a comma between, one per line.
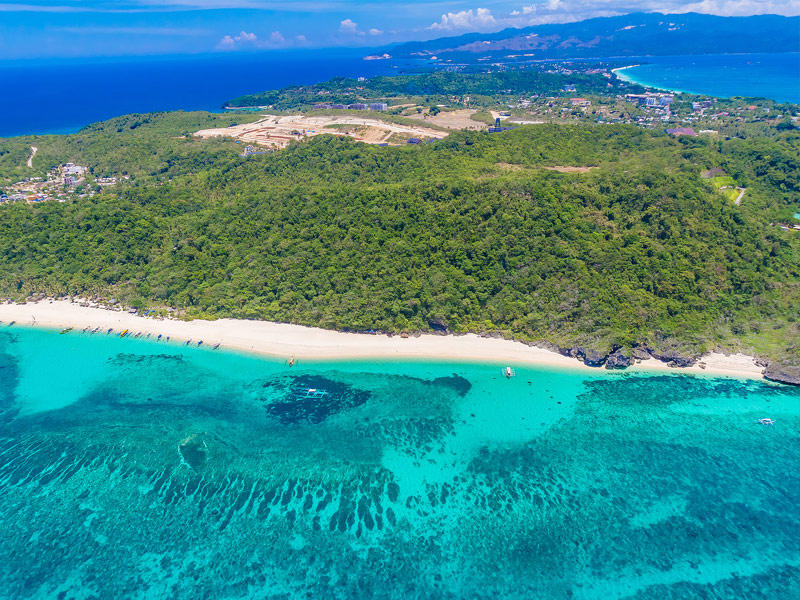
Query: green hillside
x=472, y=233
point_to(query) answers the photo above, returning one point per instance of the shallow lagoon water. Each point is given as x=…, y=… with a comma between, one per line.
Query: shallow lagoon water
x=772, y=76
x=136, y=469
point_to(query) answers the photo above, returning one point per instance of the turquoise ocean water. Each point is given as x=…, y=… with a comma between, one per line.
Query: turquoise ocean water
x=135, y=469
x=774, y=76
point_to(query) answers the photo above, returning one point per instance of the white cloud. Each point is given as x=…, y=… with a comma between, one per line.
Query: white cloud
x=739, y=8
x=348, y=27
x=237, y=41
x=301, y=39
x=374, y=31
x=479, y=19
x=251, y=41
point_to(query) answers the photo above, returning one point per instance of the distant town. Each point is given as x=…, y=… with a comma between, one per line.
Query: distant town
x=64, y=182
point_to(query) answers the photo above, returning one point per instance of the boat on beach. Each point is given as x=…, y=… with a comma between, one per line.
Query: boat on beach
x=66, y=330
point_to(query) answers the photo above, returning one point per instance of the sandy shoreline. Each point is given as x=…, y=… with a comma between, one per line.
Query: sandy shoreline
x=619, y=72
x=284, y=340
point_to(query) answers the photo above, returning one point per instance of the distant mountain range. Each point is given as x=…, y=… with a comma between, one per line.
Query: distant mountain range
x=638, y=34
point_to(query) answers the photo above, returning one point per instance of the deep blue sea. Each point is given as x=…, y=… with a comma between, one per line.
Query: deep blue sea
x=136, y=469
x=775, y=76
x=63, y=96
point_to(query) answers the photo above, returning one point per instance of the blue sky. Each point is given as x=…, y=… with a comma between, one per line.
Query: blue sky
x=67, y=28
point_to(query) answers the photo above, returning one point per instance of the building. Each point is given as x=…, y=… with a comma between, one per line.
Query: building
x=570, y=87
x=378, y=106
x=357, y=106
x=414, y=141
x=72, y=169
x=665, y=100
x=579, y=102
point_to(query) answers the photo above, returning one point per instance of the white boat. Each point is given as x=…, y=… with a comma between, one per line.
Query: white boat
x=509, y=372
x=766, y=422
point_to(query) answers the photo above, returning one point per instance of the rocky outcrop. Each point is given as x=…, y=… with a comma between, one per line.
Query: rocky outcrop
x=437, y=325
x=673, y=358
x=589, y=356
x=618, y=360
x=783, y=373
x=640, y=353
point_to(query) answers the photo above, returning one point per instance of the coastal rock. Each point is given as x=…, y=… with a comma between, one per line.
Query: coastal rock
x=640, y=353
x=674, y=358
x=783, y=373
x=438, y=325
x=618, y=360
x=589, y=356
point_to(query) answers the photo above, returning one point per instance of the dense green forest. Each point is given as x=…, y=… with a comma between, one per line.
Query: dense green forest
x=143, y=146
x=482, y=88
x=473, y=232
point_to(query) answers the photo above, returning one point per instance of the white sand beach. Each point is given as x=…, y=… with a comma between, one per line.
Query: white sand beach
x=285, y=340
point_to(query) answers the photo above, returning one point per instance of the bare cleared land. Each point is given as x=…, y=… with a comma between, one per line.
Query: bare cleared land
x=276, y=131
x=452, y=119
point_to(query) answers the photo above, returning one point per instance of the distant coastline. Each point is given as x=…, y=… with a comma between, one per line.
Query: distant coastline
x=286, y=340
x=772, y=76
x=624, y=74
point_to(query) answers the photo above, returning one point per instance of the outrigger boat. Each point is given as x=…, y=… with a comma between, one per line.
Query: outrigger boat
x=123, y=333
x=217, y=345
x=159, y=336
x=200, y=343
x=508, y=372
x=310, y=393
x=766, y=422
x=66, y=330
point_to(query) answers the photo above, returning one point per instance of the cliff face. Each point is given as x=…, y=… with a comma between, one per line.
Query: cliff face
x=784, y=371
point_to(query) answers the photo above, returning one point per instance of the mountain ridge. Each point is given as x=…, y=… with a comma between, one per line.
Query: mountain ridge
x=635, y=34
